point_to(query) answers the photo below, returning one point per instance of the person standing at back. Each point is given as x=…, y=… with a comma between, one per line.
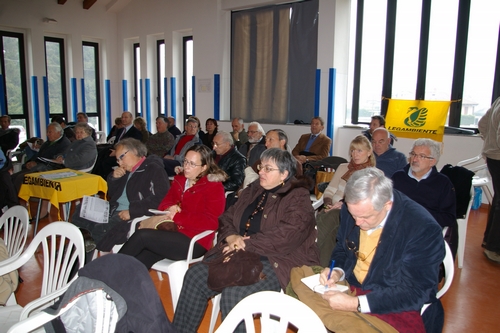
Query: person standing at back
x=489, y=128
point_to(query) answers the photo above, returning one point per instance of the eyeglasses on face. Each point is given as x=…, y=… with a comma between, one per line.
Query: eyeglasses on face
x=420, y=156
x=352, y=247
x=218, y=144
x=192, y=126
x=252, y=132
x=120, y=158
x=266, y=168
x=190, y=164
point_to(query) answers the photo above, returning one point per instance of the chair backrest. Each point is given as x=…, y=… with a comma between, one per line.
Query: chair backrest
x=270, y=305
x=449, y=272
x=15, y=222
x=63, y=248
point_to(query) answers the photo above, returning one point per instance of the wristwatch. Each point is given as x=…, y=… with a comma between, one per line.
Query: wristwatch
x=359, y=306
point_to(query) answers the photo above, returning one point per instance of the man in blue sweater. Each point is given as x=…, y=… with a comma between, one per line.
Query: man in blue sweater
x=389, y=160
x=421, y=181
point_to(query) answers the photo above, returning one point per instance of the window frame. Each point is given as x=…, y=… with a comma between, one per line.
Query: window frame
x=24, y=81
x=459, y=59
x=98, y=113
x=64, y=82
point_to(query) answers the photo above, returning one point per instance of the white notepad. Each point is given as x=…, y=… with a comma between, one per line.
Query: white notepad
x=313, y=283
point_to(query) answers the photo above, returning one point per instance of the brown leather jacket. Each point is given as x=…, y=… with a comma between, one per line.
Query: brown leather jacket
x=287, y=236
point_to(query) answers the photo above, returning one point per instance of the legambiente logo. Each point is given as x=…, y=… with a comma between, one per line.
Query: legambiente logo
x=414, y=121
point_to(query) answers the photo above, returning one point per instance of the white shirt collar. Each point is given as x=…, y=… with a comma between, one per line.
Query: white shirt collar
x=410, y=174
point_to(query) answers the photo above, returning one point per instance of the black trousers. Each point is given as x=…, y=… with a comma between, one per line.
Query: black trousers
x=151, y=245
x=492, y=233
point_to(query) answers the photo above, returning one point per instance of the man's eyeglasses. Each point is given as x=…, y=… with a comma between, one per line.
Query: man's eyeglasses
x=420, y=156
x=191, y=164
x=266, y=168
x=120, y=158
x=352, y=247
x=217, y=144
x=252, y=132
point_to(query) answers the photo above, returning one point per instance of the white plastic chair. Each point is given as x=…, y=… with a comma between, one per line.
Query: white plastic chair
x=15, y=223
x=106, y=324
x=462, y=231
x=271, y=305
x=177, y=269
x=478, y=181
x=62, y=247
x=449, y=271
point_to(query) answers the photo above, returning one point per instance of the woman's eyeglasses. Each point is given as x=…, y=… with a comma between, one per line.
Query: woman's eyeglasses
x=352, y=247
x=120, y=158
x=191, y=164
x=266, y=168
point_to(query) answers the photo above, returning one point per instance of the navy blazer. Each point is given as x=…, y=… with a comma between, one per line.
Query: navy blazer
x=404, y=272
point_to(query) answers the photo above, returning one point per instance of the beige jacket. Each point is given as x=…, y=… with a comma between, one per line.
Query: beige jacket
x=8, y=282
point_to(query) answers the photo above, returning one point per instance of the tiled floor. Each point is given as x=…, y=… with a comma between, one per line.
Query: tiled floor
x=471, y=304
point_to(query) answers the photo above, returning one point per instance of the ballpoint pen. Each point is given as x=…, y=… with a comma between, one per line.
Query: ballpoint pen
x=330, y=272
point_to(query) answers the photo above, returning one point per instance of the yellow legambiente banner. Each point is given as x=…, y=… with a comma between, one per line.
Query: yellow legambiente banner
x=417, y=119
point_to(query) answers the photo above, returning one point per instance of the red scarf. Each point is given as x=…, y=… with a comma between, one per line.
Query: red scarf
x=352, y=167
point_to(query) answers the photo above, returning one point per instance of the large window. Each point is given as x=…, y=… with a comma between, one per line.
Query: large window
x=160, y=66
x=273, y=62
x=92, y=87
x=56, y=76
x=13, y=81
x=137, y=80
x=423, y=49
x=187, y=89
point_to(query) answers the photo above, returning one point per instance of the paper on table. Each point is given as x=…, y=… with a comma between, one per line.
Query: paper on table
x=313, y=283
x=59, y=175
x=94, y=209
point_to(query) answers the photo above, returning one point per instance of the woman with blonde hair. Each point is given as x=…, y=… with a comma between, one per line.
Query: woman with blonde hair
x=328, y=219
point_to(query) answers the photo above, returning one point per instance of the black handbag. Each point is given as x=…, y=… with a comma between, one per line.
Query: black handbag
x=235, y=268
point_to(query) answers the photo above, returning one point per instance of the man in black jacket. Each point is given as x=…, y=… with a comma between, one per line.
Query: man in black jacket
x=229, y=159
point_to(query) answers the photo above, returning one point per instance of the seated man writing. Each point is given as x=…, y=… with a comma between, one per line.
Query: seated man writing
x=388, y=250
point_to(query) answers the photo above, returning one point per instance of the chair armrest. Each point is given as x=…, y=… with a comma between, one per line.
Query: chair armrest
x=199, y=236
x=42, y=302
x=470, y=160
x=133, y=224
x=317, y=203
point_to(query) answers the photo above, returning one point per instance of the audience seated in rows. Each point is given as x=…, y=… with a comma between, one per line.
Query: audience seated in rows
x=314, y=146
x=114, y=130
x=140, y=124
x=256, y=143
x=68, y=129
x=82, y=117
x=192, y=205
x=421, y=181
x=377, y=121
x=230, y=160
x=182, y=143
x=389, y=252
x=56, y=145
x=212, y=129
x=9, y=137
x=328, y=219
x=137, y=184
x=106, y=159
x=172, y=128
x=162, y=141
x=240, y=137
x=389, y=160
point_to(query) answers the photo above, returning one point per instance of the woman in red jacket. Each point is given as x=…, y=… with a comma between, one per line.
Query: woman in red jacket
x=193, y=204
